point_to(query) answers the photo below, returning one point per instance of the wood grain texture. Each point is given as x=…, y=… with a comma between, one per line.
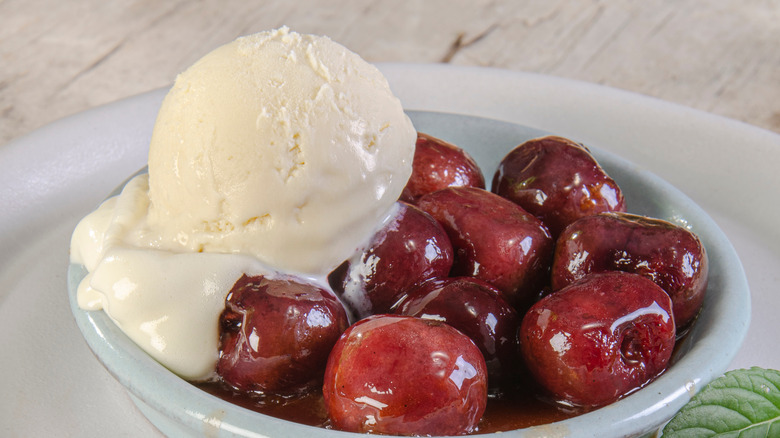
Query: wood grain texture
x=58, y=58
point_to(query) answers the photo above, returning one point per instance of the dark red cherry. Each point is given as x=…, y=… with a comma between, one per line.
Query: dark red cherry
x=599, y=338
x=558, y=181
x=410, y=249
x=437, y=165
x=400, y=375
x=494, y=240
x=276, y=334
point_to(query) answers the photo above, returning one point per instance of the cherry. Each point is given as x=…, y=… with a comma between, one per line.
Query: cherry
x=437, y=165
x=276, y=334
x=408, y=250
x=599, y=338
x=670, y=255
x=400, y=375
x=557, y=180
x=494, y=240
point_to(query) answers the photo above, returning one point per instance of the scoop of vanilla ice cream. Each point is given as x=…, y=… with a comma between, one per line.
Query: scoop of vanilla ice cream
x=276, y=154
x=286, y=147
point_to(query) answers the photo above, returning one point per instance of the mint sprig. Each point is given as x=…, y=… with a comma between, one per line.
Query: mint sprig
x=741, y=403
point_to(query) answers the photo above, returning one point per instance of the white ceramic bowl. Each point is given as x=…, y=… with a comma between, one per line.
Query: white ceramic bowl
x=178, y=408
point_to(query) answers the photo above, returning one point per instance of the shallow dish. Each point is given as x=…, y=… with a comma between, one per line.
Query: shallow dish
x=180, y=409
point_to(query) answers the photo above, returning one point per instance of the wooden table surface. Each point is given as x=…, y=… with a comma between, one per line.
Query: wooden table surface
x=723, y=56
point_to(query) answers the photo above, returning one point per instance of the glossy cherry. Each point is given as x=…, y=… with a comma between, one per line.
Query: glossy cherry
x=558, y=181
x=276, y=334
x=410, y=249
x=439, y=164
x=494, y=240
x=598, y=339
x=400, y=375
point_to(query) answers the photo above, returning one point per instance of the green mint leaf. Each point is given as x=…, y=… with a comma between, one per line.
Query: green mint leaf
x=741, y=403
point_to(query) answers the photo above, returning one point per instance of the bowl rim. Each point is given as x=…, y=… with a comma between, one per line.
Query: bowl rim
x=710, y=346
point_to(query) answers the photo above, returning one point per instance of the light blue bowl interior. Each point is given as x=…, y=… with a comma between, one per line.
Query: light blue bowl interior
x=180, y=409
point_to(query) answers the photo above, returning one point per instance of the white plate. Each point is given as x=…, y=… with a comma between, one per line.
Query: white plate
x=52, y=386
